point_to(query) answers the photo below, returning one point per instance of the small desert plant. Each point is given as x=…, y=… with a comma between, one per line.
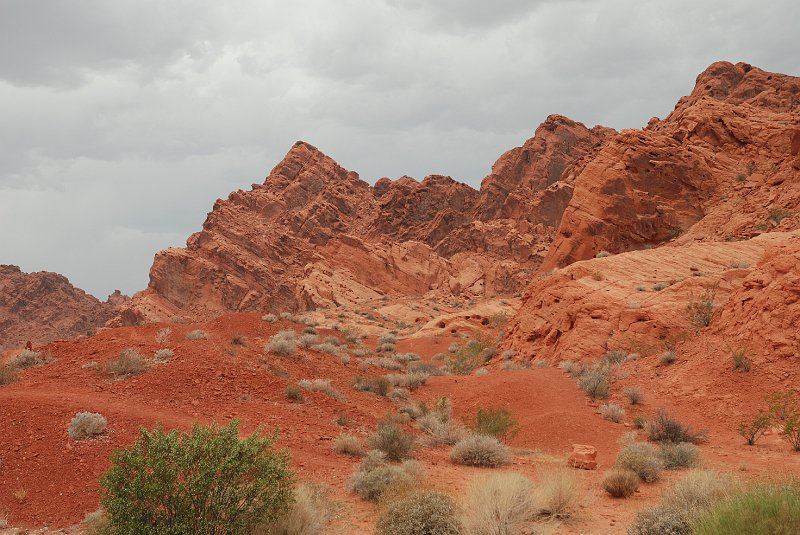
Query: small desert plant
x=129, y=362
x=163, y=335
x=643, y=459
x=612, y=412
x=239, y=340
x=373, y=477
x=310, y=330
x=791, y=431
x=701, y=309
x=175, y=482
x=387, y=338
x=763, y=510
x=294, y=393
x=196, y=335
x=286, y=316
x=660, y=286
x=621, y=482
x=739, y=264
x=779, y=214
x=376, y=385
x=327, y=347
x=270, y=318
x=633, y=394
x=595, y=382
x=741, y=361
x=668, y=357
x=392, y=441
x=8, y=374
x=310, y=513
x=480, y=450
x=307, y=340
x=613, y=357
x=283, y=343
x=665, y=429
x=783, y=405
x=86, y=425
x=602, y=254
x=420, y=512
x=322, y=386
x=501, y=503
x=441, y=431
x=679, y=455
x=751, y=431
x=27, y=359
x=639, y=421
x=571, y=367
x=412, y=381
x=498, y=423
x=348, y=445
x=163, y=355
x=557, y=491
x=660, y=520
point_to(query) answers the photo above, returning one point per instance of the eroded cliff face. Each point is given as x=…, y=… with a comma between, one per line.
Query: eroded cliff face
x=723, y=165
x=314, y=234
x=41, y=307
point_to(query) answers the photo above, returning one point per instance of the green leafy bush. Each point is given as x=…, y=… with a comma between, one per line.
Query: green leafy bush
x=498, y=423
x=751, y=431
x=206, y=481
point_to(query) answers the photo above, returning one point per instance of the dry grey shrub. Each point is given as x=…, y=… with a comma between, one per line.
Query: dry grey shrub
x=197, y=334
x=129, y=362
x=86, y=425
x=283, y=343
x=163, y=355
x=480, y=450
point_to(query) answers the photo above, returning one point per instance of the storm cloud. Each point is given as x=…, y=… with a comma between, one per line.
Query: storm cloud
x=121, y=122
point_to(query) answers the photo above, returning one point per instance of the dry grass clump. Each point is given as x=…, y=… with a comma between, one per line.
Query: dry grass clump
x=347, y=444
x=498, y=423
x=571, y=367
x=287, y=316
x=163, y=355
x=239, y=340
x=412, y=380
x=27, y=359
x=440, y=426
x=502, y=503
x=666, y=429
x=612, y=412
x=8, y=374
x=633, y=394
x=643, y=459
x=293, y=393
x=621, y=482
x=392, y=441
x=420, y=512
x=163, y=335
x=595, y=382
x=323, y=386
x=307, y=340
x=282, y=343
x=86, y=425
x=129, y=362
x=377, y=385
x=373, y=476
x=679, y=455
x=310, y=513
x=270, y=318
x=196, y=335
x=480, y=450
x=558, y=489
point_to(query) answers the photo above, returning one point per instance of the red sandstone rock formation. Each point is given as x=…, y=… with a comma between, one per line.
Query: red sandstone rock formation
x=44, y=306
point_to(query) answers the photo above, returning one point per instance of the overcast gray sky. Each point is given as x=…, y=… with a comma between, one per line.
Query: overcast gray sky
x=122, y=121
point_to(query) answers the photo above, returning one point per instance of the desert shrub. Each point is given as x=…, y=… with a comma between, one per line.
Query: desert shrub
x=741, y=361
x=511, y=366
x=271, y=318
x=612, y=412
x=639, y=421
x=465, y=360
x=602, y=254
x=621, y=482
x=8, y=374
x=480, y=450
x=571, y=367
x=308, y=322
x=239, y=340
x=348, y=445
x=129, y=362
x=206, y=481
x=27, y=359
x=782, y=405
x=508, y=354
x=668, y=357
x=286, y=316
x=660, y=521
x=387, y=338
x=420, y=512
x=376, y=385
x=739, y=264
x=557, y=491
x=95, y=523
x=501, y=504
x=633, y=394
x=498, y=423
x=441, y=431
x=163, y=335
x=791, y=431
x=322, y=386
x=399, y=393
x=660, y=286
x=283, y=343
x=309, y=514
x=751, y=431
x=643, y=459
x=361, y=352
x=326, y=347
x=412, y=380
x=373, y=477
x=481, y=372
x=424, y=368
x=196, y=335
x=310, y=330
x=86, y=425
x=332, y=340
x=763, y=510
x=407, y=357
x=595, y=382
x=679, y=455
x=614, y=357
x=385, y=348
x=392, y=441
x=779, y=214
x=294, y=393
x=701, y=309
x=163, y=355
x=452, y=348
x=665, y=429
x=307, y=340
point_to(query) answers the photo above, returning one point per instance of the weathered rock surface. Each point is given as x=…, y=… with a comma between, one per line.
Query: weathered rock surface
x=41, y=307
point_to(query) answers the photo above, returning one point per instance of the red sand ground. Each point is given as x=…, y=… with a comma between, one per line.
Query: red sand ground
x=48, y=479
